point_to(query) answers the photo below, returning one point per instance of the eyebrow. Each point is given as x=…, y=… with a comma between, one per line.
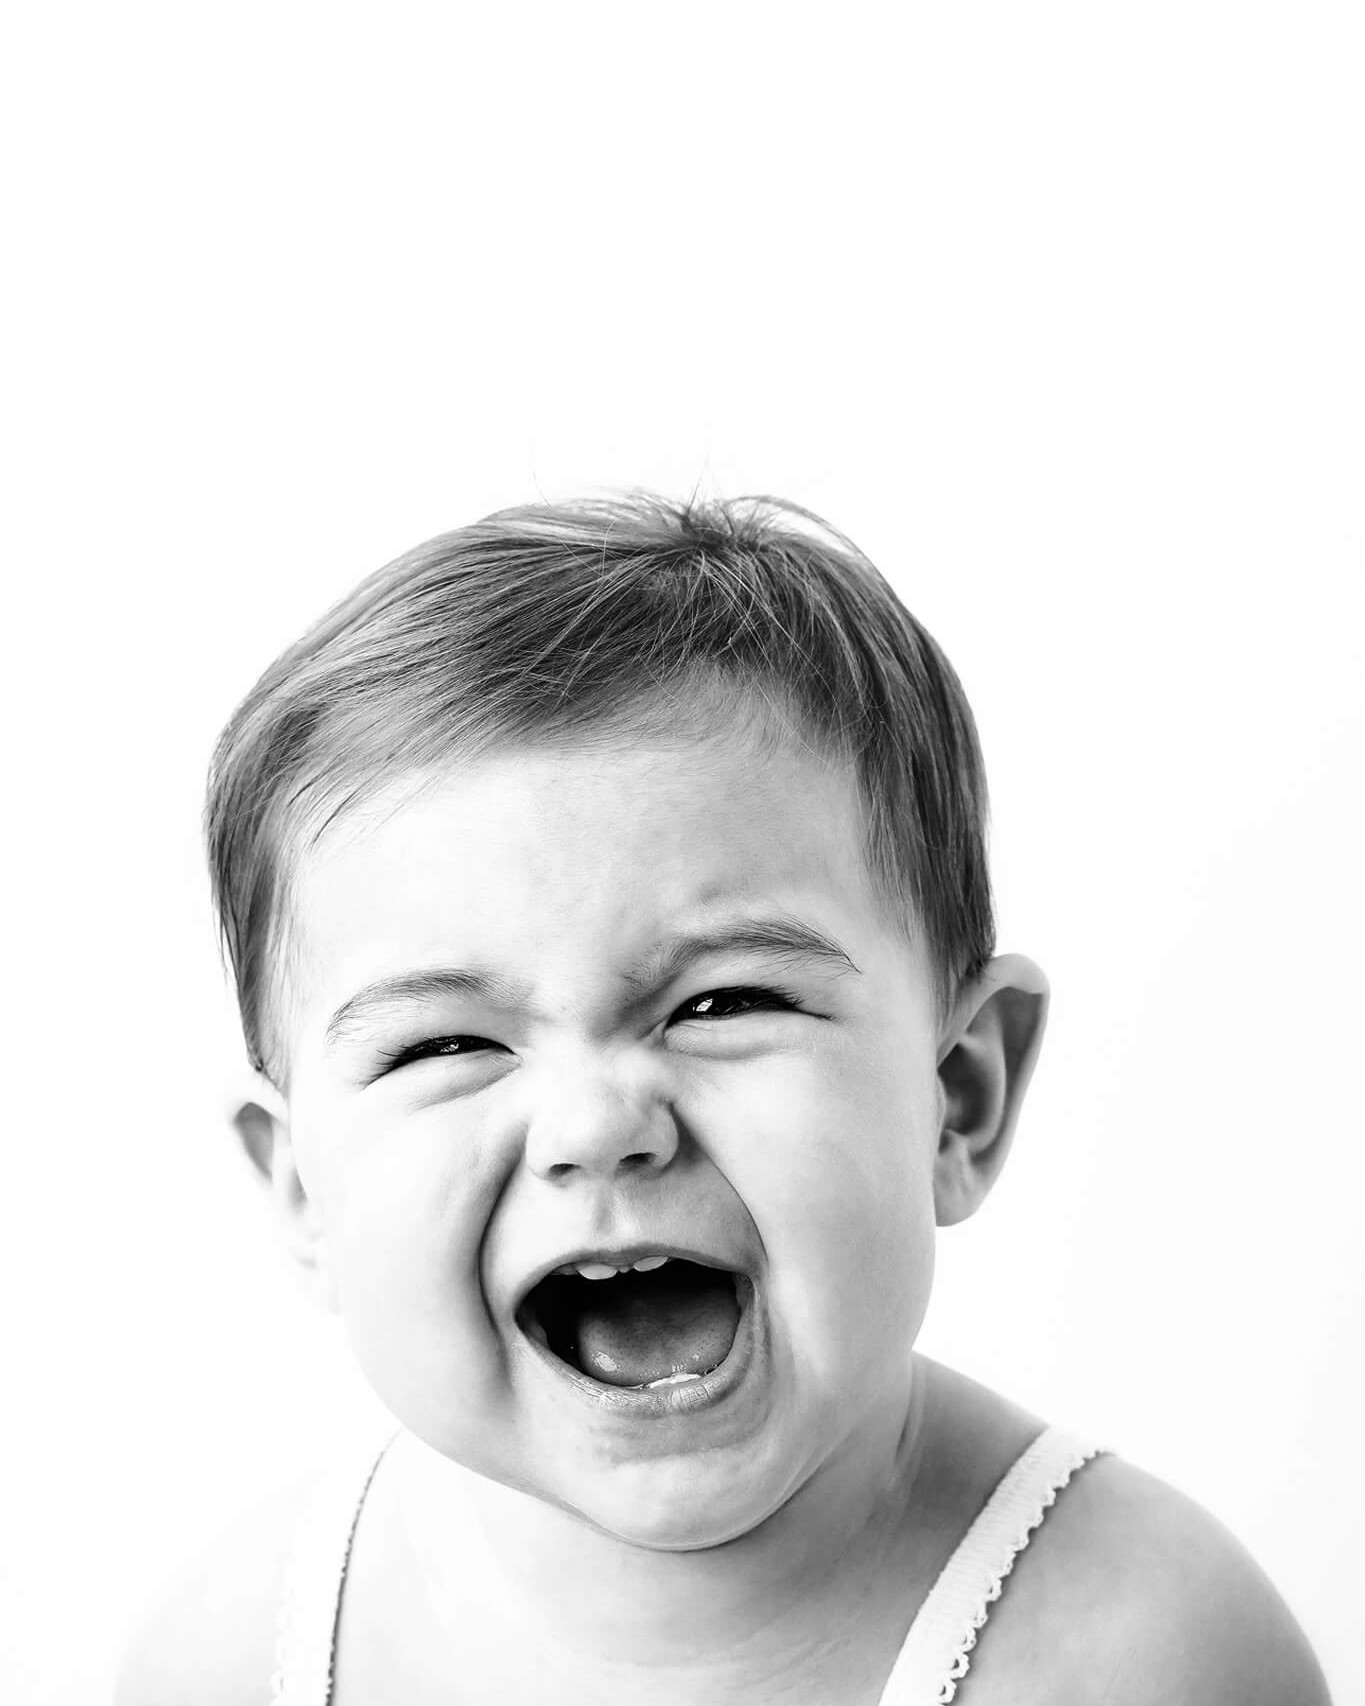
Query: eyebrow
x=784, y=936
x=413, y=987
x=781, y=936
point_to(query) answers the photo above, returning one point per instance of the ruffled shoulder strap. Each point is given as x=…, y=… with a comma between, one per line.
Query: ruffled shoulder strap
x=315, y=1575
x=938, y=1649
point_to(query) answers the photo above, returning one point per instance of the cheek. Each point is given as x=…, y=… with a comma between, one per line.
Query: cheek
x=836, y=1168
x=405, y=1207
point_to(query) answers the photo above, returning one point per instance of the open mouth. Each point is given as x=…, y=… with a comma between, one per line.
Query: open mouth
x=662, y=1321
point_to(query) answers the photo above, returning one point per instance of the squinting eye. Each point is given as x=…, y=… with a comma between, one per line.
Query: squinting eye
x=434, y=1047
x=735, y=1003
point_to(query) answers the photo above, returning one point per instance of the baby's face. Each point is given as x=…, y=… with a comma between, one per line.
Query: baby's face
x=570, y=1010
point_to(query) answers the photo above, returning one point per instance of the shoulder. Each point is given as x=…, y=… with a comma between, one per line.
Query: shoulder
x=208, y=1637
x=1133, y=1594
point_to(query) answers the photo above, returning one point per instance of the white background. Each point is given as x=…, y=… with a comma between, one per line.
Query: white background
x=1058, y=310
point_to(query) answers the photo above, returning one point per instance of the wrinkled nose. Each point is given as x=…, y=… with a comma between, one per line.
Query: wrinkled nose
x=600, y=1124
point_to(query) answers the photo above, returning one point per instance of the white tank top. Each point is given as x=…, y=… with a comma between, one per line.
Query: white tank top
x=931, y=1664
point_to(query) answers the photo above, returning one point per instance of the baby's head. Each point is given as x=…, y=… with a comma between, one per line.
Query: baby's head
x=606, y=883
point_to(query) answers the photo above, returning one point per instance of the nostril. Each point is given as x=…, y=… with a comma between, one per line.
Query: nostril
x=641, y=1161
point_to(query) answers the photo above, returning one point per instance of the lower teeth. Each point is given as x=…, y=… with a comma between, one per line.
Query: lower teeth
x=679, y=1377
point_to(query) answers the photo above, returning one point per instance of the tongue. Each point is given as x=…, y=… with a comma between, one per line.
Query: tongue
x=683, y=1324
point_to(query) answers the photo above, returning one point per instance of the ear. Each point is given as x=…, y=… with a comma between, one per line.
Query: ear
x=260, y=1118
x=986, y=1058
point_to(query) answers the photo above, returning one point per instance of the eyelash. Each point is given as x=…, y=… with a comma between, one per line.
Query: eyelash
x=757, y=998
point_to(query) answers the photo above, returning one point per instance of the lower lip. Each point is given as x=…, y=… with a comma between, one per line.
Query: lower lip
x=687, y=1397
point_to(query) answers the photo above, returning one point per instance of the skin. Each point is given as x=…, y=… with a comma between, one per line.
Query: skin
x=800, y=1139
x=793, y=1145
x=813, y=1141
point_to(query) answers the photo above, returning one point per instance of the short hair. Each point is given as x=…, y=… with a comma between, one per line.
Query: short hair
x=566, y=619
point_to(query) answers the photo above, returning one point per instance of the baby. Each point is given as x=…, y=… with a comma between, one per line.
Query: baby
x=606, y=890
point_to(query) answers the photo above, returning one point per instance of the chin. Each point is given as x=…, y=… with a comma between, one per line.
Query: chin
x=686, y=1509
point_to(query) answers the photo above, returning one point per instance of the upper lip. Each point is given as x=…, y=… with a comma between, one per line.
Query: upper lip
x=625, y=1256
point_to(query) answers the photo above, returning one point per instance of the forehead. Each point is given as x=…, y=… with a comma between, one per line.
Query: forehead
x=542, y=859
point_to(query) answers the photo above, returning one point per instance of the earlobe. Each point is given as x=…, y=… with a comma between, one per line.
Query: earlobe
x=986, y=1059
x=260, y=1118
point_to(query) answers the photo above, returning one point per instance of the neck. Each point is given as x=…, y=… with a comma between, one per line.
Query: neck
x=772, y=1597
